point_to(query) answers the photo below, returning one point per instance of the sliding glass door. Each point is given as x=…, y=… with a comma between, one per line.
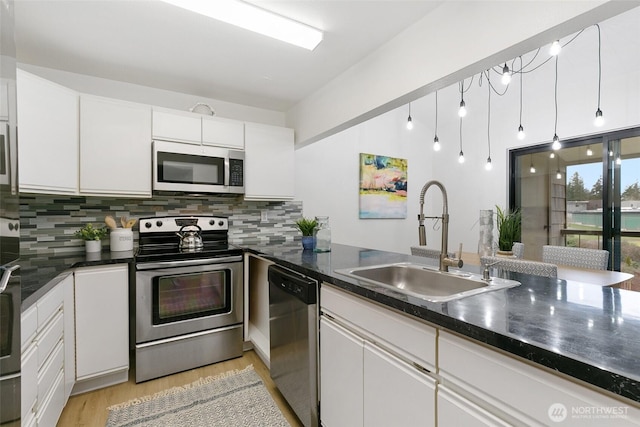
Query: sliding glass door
x=587, y=194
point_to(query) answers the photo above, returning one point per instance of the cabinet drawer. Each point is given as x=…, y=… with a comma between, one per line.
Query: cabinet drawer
x=409, y=338
x=50, y=407
x=29, y=325
x=51, y=369
x=491, y=376
x=29, y=387
x=49, y=304
x=49, y=338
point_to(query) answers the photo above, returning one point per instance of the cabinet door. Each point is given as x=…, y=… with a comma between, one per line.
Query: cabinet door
x=454, y=410
x=180, y=126
x=48, y=123
x=102, y=320
x=69, y=336
x=115, y=147
x=222, y=132
x=396, y=393
x=341, y=394
x=29, y=380
x=269, y=162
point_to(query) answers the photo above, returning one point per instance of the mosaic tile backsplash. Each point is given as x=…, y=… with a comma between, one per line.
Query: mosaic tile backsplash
x=49, y=222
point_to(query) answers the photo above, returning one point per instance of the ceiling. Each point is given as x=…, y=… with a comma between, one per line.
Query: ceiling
x=152, y=43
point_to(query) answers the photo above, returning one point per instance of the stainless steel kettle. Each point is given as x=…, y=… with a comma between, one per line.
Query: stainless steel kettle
x=190, y=239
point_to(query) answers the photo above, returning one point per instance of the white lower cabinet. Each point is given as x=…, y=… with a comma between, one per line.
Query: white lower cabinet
x=42, y=392
x=366, y=378
x=477, y=381
x=101, y=326
x=341, y=376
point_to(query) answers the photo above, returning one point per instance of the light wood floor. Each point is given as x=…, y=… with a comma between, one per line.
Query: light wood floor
x=90, y=409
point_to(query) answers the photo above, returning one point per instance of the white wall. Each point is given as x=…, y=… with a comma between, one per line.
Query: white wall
x=327, y=171
x=153, y=96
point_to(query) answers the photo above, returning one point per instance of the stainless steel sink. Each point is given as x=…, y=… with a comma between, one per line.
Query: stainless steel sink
x=427, y=282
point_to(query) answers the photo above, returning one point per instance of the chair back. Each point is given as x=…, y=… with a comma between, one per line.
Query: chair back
x=521, y=266
x=596, y=259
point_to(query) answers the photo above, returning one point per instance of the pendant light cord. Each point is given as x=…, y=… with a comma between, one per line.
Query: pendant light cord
x=436, y=131
x=555, y=127
x=521, y=92
x=489, y=114
x=461, y=134
x=599, y=64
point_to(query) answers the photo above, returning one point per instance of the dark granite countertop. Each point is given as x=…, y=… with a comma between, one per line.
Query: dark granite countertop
x=588, y=332
x=40, y=273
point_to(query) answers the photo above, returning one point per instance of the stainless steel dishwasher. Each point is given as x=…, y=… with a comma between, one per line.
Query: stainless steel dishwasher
x=293, y=330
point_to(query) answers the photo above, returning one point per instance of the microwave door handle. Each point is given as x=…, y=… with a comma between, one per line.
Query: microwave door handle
x=226, y=171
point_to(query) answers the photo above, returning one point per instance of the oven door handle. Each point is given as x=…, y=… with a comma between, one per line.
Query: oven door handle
x=6, y=275
x=187, y=263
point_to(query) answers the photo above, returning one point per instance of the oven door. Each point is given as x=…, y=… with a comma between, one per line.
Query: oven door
x=181, y=297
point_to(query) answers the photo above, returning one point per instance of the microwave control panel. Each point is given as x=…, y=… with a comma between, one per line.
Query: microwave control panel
x=236, y=173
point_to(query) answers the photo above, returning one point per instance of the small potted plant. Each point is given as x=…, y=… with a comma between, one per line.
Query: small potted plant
x=92, y=237
x=509, y=226
x=306, y=227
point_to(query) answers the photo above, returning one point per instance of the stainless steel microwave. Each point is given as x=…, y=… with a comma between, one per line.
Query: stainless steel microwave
x=191, y=168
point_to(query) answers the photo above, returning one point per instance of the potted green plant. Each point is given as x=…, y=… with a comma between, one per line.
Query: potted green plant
x=92, y=237
x=306, y=227
x=509, y=227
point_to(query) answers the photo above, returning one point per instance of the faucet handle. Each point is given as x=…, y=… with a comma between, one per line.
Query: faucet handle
x=485, y=273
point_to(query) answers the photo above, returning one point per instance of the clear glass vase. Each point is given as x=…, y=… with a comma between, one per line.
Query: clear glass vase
x=322, y=233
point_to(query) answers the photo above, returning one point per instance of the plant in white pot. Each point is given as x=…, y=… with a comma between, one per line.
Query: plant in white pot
x=509, y=227
x=92, y=237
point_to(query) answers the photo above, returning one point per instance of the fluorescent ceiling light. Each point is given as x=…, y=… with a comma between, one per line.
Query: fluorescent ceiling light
x=255, y=19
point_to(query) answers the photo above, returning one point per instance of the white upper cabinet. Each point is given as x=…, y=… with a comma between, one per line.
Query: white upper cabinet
x=48, y=132
x=222, y=132
x=174, y=125
x=269, y=162
x=115, y=147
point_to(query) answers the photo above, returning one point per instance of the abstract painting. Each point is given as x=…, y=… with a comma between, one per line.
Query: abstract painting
x=383, y=187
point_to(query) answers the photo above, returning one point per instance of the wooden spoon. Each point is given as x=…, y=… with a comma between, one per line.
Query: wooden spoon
x=111, y=223
x=123, y=222
x=131, y=223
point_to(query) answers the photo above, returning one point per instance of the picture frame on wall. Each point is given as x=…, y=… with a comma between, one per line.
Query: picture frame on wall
x=383, y=187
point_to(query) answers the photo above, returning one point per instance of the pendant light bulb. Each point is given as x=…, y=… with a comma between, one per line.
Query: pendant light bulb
x=488, y=166
x=558, y=174
x=552, y=155
x=589, y=151
x=461, y=157
x=521, y=134
x=556, y=143
x=532, y=168
x=409, y=123
x=436, y=143
x=599, y=120
x=506, y=75
x=555, y=48
x=618, y=160
x=463, y=109
x=610, y=153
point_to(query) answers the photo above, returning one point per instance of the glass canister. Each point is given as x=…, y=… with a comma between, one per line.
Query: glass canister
x=322, y=234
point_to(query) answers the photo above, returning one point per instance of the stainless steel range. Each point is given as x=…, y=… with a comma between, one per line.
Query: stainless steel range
x=188, y=295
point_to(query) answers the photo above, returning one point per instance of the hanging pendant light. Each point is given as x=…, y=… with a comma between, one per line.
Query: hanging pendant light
x=462, y=111
x=409, y=121
x=532, y=168
x=589, y=151
x=556, y=141
x=555, y=48
x=552, y=155
x=599, y=120
x=506, y=75
x=488, y=166
x=618, y=159
x=558, y=173
x=521, y=134
x=436, y=141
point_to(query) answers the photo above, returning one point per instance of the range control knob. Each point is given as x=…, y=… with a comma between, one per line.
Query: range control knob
x=147, y=224
x=212, y=222
x=221, y=223
x=159, y=223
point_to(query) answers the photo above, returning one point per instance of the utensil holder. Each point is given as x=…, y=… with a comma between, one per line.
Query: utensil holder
x=121, y=239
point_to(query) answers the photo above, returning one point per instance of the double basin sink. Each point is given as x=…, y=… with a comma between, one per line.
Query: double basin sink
x=425, y=282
